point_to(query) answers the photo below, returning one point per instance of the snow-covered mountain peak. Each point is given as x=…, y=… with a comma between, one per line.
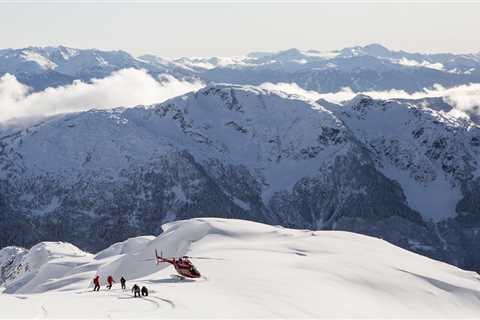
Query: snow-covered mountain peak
x=78, y=63
x=359, y=102
x=292, y=53
x=219, y=121
x=374, y=49
x=398, y=112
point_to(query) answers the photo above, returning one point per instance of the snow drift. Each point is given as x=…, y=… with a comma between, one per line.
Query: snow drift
x=249, y=270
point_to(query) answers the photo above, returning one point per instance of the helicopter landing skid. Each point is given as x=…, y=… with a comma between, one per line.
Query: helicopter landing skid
x=177, y=277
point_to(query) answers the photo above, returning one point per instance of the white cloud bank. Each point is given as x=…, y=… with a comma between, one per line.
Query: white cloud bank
x=127, y=87
x=465, y=97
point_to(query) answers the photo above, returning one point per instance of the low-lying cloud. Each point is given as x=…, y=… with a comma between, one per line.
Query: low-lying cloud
x=127, y=87
x=131, y=87
x=464, y=97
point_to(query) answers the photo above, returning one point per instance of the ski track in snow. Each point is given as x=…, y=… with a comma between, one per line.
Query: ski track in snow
x=44, y=313
x=165, y=300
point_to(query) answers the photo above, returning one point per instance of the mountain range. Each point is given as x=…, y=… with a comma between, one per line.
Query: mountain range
x=371, y=67
x=403, y=170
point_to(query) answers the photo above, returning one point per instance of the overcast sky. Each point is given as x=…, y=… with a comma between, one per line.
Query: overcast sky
x=223, y=29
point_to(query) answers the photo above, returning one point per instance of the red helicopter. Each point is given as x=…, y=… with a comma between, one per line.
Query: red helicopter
x=183, y=265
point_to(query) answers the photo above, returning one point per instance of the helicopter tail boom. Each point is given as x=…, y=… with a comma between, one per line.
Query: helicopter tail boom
x=160, y=258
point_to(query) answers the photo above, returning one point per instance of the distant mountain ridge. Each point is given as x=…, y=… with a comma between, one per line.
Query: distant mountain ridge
x=371, y=67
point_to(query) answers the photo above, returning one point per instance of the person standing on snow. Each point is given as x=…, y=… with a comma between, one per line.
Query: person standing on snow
x=110, y=282
x=144, y=291
x=136, y=290
x=96, y=282
x=122, y=282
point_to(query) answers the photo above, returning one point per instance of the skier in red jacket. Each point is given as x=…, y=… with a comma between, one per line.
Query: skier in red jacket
x=110, y=282
x=96, y=282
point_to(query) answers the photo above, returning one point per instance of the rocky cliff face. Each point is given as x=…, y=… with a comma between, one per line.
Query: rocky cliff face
x=402, y=170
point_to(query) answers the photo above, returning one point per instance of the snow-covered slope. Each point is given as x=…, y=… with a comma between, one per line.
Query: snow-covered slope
x=253, y=270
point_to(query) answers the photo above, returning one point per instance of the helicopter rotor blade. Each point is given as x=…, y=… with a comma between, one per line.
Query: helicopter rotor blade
x=204, y=258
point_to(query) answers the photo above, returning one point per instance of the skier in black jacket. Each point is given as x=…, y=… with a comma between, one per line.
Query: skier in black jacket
x=122, y=282
x=136, y=290
x=144, y=291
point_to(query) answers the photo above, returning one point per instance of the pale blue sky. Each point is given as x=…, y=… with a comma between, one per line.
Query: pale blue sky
x=193, y=29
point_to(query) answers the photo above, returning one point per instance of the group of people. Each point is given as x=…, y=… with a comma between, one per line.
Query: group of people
x=135, y=289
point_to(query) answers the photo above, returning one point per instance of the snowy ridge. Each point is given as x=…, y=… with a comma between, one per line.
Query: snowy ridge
x=26, y=269
x=255, y=270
